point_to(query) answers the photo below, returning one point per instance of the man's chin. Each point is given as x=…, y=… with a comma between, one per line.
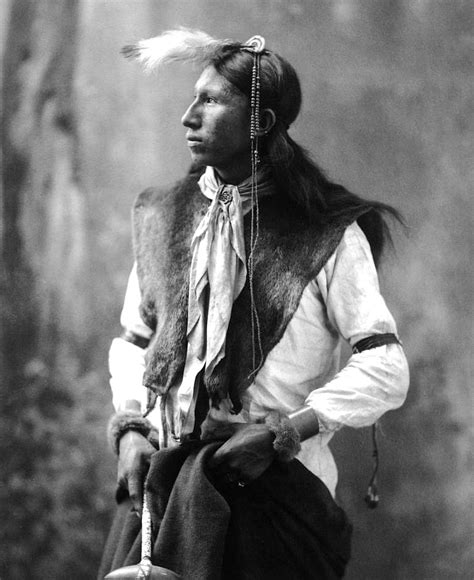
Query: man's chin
x=199, y=159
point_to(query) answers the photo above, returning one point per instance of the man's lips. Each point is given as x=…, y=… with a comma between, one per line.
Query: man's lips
x=193, y=140
x=194, y=143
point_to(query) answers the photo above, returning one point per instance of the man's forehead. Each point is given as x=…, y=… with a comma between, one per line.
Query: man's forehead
x=210, y=79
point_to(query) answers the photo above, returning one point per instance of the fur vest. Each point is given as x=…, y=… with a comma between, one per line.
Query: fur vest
x=290, y=253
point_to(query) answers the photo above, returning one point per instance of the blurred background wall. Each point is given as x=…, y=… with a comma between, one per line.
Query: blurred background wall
x=387, y=111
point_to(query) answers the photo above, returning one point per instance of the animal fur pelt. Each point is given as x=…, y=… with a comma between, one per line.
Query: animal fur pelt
x=289, y=254
x=182, y=44
x=287, y=443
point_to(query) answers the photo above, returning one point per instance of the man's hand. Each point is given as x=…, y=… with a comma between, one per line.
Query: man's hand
x=133, y=463
x=245, y=456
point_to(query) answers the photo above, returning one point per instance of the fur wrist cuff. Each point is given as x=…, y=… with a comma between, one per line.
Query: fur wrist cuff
x=287, y=440
x=125, y=421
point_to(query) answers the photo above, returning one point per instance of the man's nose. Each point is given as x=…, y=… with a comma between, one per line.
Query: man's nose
x=191, y=117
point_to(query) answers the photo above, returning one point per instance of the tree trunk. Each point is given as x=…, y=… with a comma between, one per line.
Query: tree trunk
x=43, y=255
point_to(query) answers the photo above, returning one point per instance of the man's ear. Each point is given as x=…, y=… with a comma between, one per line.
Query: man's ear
x=267, y=121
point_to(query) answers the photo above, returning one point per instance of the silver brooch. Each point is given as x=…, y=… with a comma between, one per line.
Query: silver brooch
x=225, y=196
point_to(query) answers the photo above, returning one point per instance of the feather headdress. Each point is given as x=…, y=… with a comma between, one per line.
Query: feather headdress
x=182, y=44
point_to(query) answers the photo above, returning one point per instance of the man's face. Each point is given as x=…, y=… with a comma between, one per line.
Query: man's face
x=218, y=123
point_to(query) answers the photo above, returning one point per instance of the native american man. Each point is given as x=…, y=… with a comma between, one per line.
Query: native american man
x=249, y=273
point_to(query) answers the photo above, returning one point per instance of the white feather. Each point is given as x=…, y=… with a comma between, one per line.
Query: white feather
x=182, y=44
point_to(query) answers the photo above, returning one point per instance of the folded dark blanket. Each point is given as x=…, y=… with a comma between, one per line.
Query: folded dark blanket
x=284, y=525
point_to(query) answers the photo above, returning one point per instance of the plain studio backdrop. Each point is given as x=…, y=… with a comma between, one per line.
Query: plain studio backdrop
x=387, y=111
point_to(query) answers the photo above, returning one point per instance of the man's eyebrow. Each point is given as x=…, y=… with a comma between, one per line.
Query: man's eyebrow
x=227, y=90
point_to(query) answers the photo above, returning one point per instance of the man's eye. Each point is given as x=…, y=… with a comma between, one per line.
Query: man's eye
x=210, y=100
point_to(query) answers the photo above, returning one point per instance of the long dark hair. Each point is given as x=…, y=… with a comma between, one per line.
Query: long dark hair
x=295, y=174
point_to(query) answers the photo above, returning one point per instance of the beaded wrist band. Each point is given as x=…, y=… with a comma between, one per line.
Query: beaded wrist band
x=124, y=421
x=287, y=439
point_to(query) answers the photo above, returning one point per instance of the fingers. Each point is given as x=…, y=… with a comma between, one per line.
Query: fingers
x=135, y=490
x=132, y=478
x=133, y=465
x=244, y=457
x=227, y=477
x=231, y=469
x=226, y=470
x=133, y=485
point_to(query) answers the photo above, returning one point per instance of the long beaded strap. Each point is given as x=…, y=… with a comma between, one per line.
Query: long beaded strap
x=258, y=44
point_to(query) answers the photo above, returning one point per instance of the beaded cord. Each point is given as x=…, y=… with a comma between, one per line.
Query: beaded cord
x=254, y=216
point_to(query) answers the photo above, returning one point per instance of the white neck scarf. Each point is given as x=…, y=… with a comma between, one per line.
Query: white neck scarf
x=217, y=276
x=218, y=267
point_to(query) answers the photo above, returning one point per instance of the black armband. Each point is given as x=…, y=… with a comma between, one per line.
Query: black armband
x=135, y=339
x=374, y=341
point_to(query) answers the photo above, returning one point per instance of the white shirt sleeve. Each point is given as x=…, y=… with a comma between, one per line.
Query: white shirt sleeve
x=126, y=360
x=373, y=381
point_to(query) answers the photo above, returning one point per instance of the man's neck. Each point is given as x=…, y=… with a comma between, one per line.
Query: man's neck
x=233, y=175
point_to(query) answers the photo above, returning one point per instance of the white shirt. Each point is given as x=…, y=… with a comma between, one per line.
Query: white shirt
x=343, y=301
